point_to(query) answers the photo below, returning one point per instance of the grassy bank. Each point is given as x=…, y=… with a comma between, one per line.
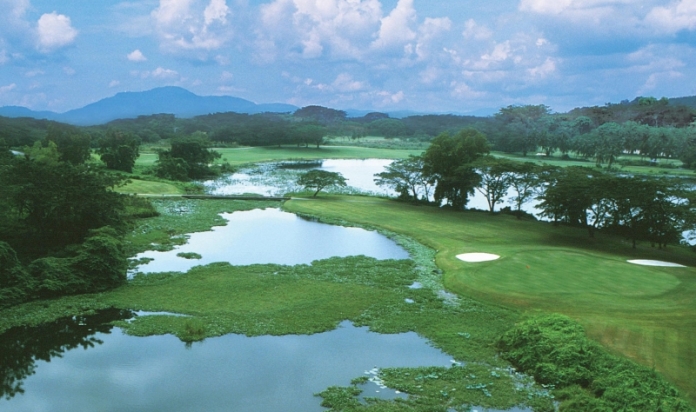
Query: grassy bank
x=247, y=155
x=645, y=313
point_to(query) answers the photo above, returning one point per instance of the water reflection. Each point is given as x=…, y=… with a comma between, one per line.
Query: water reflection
x=21, y=348
x=270, y=179
x=229, y=373
x=272, y=236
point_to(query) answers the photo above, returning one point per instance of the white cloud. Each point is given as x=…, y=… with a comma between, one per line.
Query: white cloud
x=34, y=73
x=8, y=88
x=395, y=28
x=158, y=73
x=677, y=16
x=136, y=56
x=114, y=83
x=226, y=76
x=185, y=25
x=161, y=73
x=389, y=99
x=544, y=70
x=345, y=83
x=54, y=31
x=69, y=70
x=473, y=30
x=337, y=28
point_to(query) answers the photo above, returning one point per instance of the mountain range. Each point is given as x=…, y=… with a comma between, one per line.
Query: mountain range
x=172, y=100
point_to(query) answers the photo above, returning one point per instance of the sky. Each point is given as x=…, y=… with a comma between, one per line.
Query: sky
x=454, y=56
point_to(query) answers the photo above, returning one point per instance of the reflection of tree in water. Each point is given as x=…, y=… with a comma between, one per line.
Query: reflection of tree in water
x=22, y=346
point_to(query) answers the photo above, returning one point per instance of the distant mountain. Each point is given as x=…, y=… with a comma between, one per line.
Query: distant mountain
x=171, y=100
x=18, y=111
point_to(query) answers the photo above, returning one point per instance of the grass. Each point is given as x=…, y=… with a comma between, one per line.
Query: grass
x=645, y=313
x=247, y=155
x=555, y=160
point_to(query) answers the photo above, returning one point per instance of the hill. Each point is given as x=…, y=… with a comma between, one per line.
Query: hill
x=171, y=100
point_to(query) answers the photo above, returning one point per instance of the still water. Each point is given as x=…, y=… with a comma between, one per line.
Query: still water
x=272, y=236
x=270, y=179
x=228, y=373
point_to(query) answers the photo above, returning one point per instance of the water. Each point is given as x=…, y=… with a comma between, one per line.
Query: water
x=272, y=236
x=228, y=373
x=270, y=180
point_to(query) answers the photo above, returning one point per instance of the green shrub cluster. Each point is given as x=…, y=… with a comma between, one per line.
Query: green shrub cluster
x=98, y=264
x=556, y=351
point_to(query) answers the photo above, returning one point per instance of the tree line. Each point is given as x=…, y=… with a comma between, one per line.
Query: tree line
x=657, y=210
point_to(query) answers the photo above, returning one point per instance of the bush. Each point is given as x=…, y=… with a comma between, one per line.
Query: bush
x=555, y=350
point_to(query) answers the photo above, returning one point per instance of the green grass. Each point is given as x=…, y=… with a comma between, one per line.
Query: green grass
x=645, y=313
x=246, y=155
x=137, y=186
x=555, y=160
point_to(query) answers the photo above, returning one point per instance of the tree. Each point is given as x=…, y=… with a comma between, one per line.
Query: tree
x=72, y=143
x=524, y=126
x=524, y=180
x=119, y=150
x=189, y=154
x=406, y=177
x=496, y=177
x=320, y=179
x=447, y=163
x=56, y=204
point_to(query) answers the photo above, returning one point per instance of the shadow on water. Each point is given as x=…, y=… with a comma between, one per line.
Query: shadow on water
x=21, y=347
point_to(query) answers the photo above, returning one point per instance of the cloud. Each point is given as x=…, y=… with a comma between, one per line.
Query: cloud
x=158, y=73
x=161, y=73
x=395, y=28
x=473, y=30
x=226, y=76
x=114, y=83
x=69, y=70
x=34, y=73
x=345, y=83
x=677, y=16
x=192, y=25
x=337, y=28
x=543, y=70
x=136, y=56
x=54, y=31
x=8, y=88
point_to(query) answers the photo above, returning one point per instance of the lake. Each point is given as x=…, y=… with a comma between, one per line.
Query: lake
x=272, y=236
x=228, y=373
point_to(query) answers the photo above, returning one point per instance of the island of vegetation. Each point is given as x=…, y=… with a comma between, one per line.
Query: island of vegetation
x=588, y=330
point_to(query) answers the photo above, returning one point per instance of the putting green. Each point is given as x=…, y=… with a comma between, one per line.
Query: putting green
x=529, y=273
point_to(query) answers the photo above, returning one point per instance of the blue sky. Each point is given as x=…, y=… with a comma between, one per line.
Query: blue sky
x=434, y=56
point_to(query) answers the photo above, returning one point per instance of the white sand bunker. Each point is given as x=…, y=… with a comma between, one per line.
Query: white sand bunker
x=655, y=263
x=477, y=257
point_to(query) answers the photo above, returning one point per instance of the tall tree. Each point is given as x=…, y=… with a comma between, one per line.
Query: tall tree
x=119, y=150
x=496, y=177
x=406, y=177
x=447, y=163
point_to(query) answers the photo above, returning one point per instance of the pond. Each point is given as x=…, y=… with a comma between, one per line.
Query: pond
x=272, y=236
x=117, y=372
x=272, y=179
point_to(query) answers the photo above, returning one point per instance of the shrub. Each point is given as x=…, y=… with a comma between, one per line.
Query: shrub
x=556, y=351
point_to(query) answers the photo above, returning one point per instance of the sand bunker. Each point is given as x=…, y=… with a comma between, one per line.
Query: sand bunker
x=477, y=257
x=655, y=263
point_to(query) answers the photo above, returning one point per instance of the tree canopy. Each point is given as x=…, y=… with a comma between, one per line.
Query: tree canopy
x=318, y=180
